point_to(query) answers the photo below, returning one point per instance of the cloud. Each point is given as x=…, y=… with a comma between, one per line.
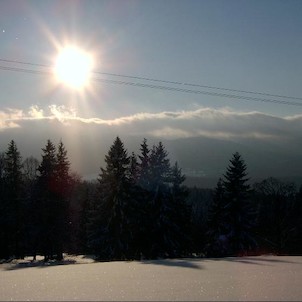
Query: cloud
x=9, y=117
x=205, y=122
x=198, y=139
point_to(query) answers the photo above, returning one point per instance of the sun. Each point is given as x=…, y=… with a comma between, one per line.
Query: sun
x=73, y=67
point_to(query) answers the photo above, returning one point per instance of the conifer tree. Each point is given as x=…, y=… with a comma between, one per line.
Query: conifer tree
x=3, y=225
x=63, y=187
x=133, y=169
x=2, y=165
x=276, y=227
x=2, y=173
x=144, y=166
x=216, y=224
x=240, y=220
x=142, y=196
x=30, y=169
x=161, y=240
x=47, y=167
x=30, y=173
x=62, y=170
x=181, y=212
x=111, y=234
x=159, y=167
x=13, y=180
x=43, y=209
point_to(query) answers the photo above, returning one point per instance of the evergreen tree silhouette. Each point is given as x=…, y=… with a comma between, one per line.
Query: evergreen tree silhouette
x=111, y=233
x=30, y=174
x=239, y=214
x=45, y=198
x=133, y=169
x=276, y=225
x=63, y=185
x=144, y=166
x=12, y=205
x=159, y=168
x=216, y=224
x=181, y=213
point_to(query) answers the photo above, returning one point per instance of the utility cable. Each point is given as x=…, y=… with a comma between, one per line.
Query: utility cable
x=216, y=94
x=163, y=81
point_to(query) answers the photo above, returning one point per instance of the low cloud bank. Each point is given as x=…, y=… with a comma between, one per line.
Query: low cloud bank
x=205, y=122
x=200, y=140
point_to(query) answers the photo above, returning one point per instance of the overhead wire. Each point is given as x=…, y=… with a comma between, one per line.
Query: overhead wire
x=162, y=81
x=160, y=87
x=199, y=92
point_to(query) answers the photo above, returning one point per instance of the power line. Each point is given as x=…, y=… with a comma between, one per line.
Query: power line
x=127, y=83
x=224, y=95
x=25, y=63
x=199, y=85
x=164, y=81
x=32, y=71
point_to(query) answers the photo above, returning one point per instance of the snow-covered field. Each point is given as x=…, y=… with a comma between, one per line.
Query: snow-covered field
x=248, y=278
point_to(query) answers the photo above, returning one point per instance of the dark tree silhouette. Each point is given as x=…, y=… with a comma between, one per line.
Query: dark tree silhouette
x=63, y=186
x=276, y=227
x=181, y=212
x=14, y=198
x=42, y=209
x=30, y=169
x=217, y=227
x=51, y=201
x=159, y=168
x=144, y=166
x=133, y=169
x=30, y=174
x=4, y=224
x=140, y=208
x=111, y=233
x=239, y=214
x=12, y=205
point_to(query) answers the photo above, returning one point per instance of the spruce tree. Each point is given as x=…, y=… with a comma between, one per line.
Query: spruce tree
x=276, y=225
x=30, y=173
x=30, y=169
x=181, y=212
x=14, y=200
x=159, y=167
x=63, y=185
x=133, y=169
x=43, y=210
x=239, y=214
x=144, y=166
x=216, y=224
x=161, y=228
x=111, y=233
x=47, y=167
x=3, y=225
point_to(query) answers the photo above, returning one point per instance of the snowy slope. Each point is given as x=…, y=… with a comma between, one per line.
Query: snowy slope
x=249, y=278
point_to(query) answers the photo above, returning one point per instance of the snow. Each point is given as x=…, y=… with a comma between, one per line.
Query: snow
x=262, y=278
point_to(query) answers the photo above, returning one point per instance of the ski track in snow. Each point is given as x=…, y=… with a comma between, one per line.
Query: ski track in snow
x=259, y=278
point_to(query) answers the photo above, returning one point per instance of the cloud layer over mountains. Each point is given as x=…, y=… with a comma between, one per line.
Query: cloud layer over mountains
x=201, y=140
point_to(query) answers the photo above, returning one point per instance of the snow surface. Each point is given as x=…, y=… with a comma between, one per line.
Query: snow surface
x=262, y=278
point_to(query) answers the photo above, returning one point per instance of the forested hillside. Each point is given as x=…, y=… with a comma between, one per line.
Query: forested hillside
x=139, y=208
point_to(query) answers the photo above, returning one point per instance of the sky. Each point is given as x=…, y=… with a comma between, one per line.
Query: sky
x=238, y=45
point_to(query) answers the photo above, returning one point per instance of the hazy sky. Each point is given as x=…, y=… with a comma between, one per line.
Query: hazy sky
x=243, y=45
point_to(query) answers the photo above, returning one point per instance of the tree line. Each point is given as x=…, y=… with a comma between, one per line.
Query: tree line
x=139, y=208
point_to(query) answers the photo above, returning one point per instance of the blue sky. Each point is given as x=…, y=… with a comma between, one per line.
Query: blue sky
x=244, y=45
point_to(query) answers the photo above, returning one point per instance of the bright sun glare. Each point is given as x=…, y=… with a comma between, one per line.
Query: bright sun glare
x=73, y=67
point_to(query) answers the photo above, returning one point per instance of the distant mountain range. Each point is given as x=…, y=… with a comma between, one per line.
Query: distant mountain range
x=204, y=160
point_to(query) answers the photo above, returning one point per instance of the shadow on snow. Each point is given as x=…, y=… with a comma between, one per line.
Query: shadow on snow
x=185, y=263
x=39, y=264
x=258, y=260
